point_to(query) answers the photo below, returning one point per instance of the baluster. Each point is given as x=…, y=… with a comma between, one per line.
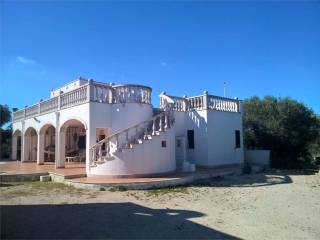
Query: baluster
x=160, y=124
x=166, y=122
x=127, y=138
x=154, y=127
x=117, y=142
x=93, y=154
x=108, y=148
x=100, y=153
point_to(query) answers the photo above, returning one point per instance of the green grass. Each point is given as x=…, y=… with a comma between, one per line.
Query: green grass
x=118, y=189
x=168, y=190
x=34, y=188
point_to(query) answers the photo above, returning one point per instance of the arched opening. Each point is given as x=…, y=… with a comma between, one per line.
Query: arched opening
x=16, y=145
x=47, y=138
x=30, y=145
x=72, y=146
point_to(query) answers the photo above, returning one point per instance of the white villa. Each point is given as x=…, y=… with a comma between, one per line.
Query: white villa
x=117, y=132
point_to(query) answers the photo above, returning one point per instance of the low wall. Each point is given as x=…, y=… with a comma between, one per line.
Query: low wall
x=258, y=157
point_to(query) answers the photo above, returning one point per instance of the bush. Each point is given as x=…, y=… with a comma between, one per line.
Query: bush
x=284, y=126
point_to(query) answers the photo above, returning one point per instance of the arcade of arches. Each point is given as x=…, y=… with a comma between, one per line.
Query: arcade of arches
x=41, y=146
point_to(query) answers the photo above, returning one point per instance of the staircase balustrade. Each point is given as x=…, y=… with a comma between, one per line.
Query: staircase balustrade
x=128, y=137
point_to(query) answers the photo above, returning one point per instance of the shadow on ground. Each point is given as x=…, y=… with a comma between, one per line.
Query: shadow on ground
x=248, y=180
x=105, y=220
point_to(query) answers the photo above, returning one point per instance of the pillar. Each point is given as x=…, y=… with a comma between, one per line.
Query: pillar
x=23, y=143
x=14, y=147
x=88, y=142
x=60, y=149
x=40, y=152
x=26, y=148
x=59, y=144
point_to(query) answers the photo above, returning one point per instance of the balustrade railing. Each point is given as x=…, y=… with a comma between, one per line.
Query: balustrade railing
x=18, y=115
x=132, y=94
x=49, y=105
x=32, y=111
x=102, y=93
x=201, y=102
x=74, y=97
x=223, y=104
x=179, y=104
x=90, y=92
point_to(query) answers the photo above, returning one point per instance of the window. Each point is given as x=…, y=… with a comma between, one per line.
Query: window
x=178, y=143
x=163, y=144
x=190, y=139
x=237, y=136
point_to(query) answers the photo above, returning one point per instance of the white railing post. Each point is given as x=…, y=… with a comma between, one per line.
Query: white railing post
x=154, y=127
x=205, y=100
x=100, y=153
x=117, y=142
x=127, y=138
x=166, y=122
x=59, y=102
x=160, y=124
x=107, y=148
x=39, y=108
x=89, y=90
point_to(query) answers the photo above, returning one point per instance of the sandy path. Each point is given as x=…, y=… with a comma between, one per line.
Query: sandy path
x=262, y=206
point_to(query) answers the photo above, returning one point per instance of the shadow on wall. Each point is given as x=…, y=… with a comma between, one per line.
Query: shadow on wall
x=105, y=220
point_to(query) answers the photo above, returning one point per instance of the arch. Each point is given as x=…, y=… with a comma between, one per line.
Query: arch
x=30, y=144
x=72, y=141
x=16, y=144
x=46, y=144
x=46, y=125
x=30, y=130
x=17, y=132
x=71, y=120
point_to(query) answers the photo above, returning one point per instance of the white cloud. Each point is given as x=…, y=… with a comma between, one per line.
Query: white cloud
x=163, y=64
x=25, y=60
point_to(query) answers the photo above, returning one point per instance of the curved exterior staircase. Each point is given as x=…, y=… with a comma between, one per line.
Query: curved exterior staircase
x=134, y=144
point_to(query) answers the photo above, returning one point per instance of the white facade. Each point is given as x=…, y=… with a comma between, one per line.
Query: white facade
x=117, y=132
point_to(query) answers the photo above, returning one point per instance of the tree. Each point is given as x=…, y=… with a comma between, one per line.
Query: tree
x=284, y=126
x=5, y=139
x=5, y=115
x=314, y=147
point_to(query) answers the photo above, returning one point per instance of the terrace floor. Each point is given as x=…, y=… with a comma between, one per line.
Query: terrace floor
x=76, y=173
x=16, y=167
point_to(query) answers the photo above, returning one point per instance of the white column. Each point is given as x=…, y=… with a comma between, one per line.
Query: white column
x=26, y=148
x=40, y=152
x=14, y=147
x=22, y=143
x=89, y=139
x=60, y=149
x=59, y=144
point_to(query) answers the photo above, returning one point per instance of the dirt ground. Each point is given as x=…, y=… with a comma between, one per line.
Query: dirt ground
x=274, y=205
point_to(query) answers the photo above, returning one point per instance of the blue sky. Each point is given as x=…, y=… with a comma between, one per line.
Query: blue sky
x=258, y=48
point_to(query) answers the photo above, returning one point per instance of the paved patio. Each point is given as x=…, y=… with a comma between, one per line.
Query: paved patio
x=16, y=167
x=74, y=174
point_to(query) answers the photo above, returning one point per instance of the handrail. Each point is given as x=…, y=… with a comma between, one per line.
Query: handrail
x=126, y=129
x=125, y=138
